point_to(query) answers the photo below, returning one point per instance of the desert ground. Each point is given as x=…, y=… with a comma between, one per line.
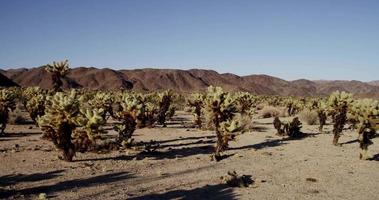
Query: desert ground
x=181, y=168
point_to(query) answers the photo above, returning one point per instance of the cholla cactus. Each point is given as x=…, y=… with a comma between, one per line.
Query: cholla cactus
x=101, y=100
x=321, y=108
x=58, y=71
x=59, y=121
x=245, y=103
x=220, y=107
x=7, y=104
x=165, y=110
x=278, y=126
x=366, y=111
x=91, y=121
x=338, y=103
x=128, y=117
x=291, y=129
x=294, y=105
x=196, y=102
x=36, y=106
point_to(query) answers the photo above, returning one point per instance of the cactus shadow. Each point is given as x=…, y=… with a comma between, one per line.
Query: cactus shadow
x=220, y=192
x=356, y=140
x=177, y=152
x=274, y=142
x=21, y=134
x=259, y=129
x=261, y=145
x=12, y=179
x=119, y=158
x=201, y=141
x=67, y=185
x=188, y=138
x=375, y=157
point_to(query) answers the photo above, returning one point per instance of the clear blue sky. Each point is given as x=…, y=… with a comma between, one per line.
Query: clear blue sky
x=314, y=39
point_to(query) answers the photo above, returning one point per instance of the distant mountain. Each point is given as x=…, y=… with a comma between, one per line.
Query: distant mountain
x=6, y=82
x=375, y=83
x=187, y=81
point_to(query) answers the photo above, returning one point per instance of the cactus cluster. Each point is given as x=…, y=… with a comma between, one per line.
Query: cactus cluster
x=7, y=103
x=34, y=99
x=246, y=103
x=290, y=129
x=69, y=126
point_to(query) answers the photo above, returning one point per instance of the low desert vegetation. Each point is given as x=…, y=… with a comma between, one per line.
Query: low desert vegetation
x=74, y=120
x=310, y=117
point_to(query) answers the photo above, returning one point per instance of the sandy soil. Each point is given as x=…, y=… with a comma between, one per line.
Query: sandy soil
x=181, y=169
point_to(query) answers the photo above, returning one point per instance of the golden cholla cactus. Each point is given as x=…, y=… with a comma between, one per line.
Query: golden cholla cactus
x=245, y=103
x=322, y=111
x=196, y=103
x=128, y=117
x=92, y=121
x=165, y=107
x=220, y=109
x=7, y=104
x=366, y=112
x=338, y=103
x=59, y=121
x=58, y=71
x=36, y=106
x=61, y=68
x=101, y=100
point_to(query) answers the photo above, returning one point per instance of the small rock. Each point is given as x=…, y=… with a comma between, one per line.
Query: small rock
x=311, y=179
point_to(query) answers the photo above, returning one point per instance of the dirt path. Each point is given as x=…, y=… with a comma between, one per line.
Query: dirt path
x=182, y=168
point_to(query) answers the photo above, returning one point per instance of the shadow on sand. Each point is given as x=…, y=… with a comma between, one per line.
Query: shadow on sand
x=67, y=185
x=220, y=192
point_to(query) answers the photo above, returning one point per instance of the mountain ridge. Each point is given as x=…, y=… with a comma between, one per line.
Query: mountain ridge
x=180, y=80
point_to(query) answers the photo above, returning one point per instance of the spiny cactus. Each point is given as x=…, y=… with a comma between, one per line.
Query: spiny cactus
x=196, y=103
x=321, y=109
x=91, y=121
x=100, y=100
x=58, y=71
x=7, y=104
x=278, y=126
x=166, y=110
x=366, y=111
x=59, y=121
x=338, y=103
x=220, y=106
x=294, y=105
x=245, y=103
x=291, y=129
x=128, y=117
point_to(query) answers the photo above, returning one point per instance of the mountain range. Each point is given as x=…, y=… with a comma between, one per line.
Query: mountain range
x=149, y=79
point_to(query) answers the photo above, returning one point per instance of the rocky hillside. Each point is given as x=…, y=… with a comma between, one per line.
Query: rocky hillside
x=186, y=81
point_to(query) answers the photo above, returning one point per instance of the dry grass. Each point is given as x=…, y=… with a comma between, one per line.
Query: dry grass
x=270, y=111
x=310, y=117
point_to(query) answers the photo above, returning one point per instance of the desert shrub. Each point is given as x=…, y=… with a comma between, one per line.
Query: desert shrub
x=220, y=107
x=270, y=111
x=310, y=117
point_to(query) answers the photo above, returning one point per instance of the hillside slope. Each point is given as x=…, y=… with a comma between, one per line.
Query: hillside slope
x=186, y=81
